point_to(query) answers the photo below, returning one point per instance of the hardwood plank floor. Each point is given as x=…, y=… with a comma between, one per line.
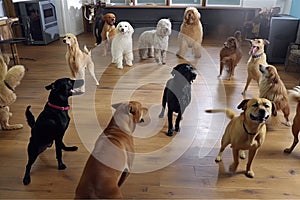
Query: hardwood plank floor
x=181, y=167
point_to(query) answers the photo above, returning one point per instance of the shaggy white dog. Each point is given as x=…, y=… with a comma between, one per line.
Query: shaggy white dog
x=157, y=41
x=121, y=46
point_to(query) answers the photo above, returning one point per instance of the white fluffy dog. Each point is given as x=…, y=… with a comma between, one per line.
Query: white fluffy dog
x=121, y=46
x=157, y=41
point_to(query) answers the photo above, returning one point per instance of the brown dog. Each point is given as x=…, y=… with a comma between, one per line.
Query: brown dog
x=108, y=30
x=231, y=54
x=246, y=131
x=191, y=33
x=271, y=87
x=258, y=57
x=113, y=154
x=78, y=60
x=294, y=95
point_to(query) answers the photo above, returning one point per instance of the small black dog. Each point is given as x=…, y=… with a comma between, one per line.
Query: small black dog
x=51, y=124
x=177, y=94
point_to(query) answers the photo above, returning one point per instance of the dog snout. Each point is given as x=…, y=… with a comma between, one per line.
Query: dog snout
x=142, y=120
x=262, y=112
x=64, y=40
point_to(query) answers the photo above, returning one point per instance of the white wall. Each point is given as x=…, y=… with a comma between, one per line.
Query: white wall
x=285, y=5
x=69, y=14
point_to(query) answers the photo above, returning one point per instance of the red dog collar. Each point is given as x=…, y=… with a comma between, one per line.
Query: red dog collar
x=58, y=107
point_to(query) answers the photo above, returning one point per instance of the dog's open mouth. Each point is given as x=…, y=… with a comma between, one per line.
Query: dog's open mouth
x=260, y=119
x=253, y=50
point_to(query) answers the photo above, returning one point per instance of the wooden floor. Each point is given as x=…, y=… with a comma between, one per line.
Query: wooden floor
x=180, y=167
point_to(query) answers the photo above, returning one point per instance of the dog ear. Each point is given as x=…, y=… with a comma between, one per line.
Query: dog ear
x=243, y=104
x=49, y=87
x=266, y=41
x=274, y=109
x=131, y=30
x=116, y=105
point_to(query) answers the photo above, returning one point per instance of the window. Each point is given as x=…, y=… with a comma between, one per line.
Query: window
x=186, y=2
x=151, y=2
x=223, y=2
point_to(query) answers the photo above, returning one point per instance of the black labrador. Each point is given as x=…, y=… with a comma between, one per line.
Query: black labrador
x=51, y=124
x=177, y=94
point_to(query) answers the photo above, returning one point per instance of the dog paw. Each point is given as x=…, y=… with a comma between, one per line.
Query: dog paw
x=62, y=166
x=120, y=67
x=177, y=129
x=26, y=179
x=161, y=115
x=218, y=159
x=249, y=174
x=73, y=148
x=288, y=123
x=288, y=150
x=242, y=154
x=170, y=133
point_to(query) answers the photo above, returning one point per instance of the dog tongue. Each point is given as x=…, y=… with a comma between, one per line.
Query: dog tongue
x=253, y=50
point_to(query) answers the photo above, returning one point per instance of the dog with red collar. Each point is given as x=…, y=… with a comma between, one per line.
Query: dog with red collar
x=51, y=124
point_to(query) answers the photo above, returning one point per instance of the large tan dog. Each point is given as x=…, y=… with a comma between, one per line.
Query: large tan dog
x=113, y=154
x=78, y=60
x=271, y=87
x=294, y=95
x=191, y=33
x=246, y=131
x=257, y=57
x=108, y=31
x=9, y=80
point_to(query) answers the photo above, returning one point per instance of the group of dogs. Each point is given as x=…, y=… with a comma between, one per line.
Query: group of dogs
x=111, y=160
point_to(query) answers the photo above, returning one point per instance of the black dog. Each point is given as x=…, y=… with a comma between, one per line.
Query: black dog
x=177, y=94
x=51, y=124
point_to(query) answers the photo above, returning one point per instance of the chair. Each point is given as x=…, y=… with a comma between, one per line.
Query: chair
x=293, y=55
x=8, y=37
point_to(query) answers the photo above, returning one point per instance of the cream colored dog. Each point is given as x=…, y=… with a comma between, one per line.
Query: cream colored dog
x=246, y=131
x=113, y=154
x=271, y=87
x=191, y=33
x=78, y=60
x=258, y=57
x=9, y=80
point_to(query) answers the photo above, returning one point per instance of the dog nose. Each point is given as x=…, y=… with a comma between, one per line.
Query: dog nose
x=64, y=41
x=142, y=120
x=262, y=112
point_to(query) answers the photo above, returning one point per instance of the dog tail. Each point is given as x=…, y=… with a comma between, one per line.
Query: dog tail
x=294, y=94
x=85, y=50
x=30, y=117
x=229, y=113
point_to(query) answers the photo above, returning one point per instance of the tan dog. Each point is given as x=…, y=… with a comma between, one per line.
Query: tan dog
x=108, y=31
x=191, y=33
x=231, y=54
x=258, y=57
x=246, y=131
x=113, y=154
x=271, y=87
x=294, y=95
x=78, y=60
x=9, y=80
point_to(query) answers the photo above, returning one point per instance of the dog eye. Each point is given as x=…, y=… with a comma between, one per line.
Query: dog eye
x=267, y=106
x=69, y=37
x=255, y=105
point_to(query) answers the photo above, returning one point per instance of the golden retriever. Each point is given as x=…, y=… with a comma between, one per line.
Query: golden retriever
x=191, y=33
x=257, y=57
x=9, y=80
x=246, y=131
x=78, y=60
x=111, y=160
x=271, y=87
x=108, y=30
x=231, y=54
x=294, y=95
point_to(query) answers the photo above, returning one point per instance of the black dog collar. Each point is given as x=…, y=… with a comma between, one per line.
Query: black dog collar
x=257, y=56
x=247, y=130
x=8, y=86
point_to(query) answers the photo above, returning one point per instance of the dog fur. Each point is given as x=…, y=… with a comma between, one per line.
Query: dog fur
x=112, y=158
x=257, y=57
x=51, y=124
x=108, y=30
x=78, y=60
x=191, y=33
x=9, y=80
x=231, y=54
x=121, y=46
x=246, y=131
x=271, y=87
x=177, y=94
x=294, y=95
x=156, y=41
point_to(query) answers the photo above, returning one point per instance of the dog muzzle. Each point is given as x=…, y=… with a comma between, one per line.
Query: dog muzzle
x=261, y=117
